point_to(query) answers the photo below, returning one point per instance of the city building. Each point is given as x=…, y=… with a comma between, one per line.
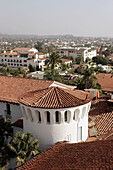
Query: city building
x=66, y=61
x=76, y=52
x=23, y=57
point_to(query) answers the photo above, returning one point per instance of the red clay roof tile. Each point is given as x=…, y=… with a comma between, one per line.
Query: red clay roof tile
x=106, y=81
x=54, y=97
x=21, y=49
x=12, y=87
x=102, y=114
x=90, y=155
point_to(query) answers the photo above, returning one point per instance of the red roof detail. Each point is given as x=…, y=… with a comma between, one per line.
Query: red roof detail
x=12, y=87
x=42, y=58
x=90, y=155
x=21, y=49
x=18, y=123
x=54, y=97
x=102, y=114
x=106, y=81
x=65, y=60
x=39, y=53
x=10, y=53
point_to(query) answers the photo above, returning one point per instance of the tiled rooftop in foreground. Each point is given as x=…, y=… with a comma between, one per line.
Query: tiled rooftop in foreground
x=91, y=155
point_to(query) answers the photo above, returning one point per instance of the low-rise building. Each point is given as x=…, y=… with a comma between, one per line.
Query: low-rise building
x=22, y=57
x=76, y=52
x=66, y=61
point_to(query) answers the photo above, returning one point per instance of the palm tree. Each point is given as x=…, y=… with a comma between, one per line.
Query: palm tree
x=23, y=147
x=53, y=59
x=88, y=79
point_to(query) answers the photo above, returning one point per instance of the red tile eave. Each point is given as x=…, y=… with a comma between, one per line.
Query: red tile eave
x=9, y=100
x=53, y=98
x=29, y=105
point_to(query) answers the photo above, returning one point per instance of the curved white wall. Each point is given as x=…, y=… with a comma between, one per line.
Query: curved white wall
x=69, y=128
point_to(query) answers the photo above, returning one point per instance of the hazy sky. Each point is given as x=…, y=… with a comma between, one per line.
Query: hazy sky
x=48, y=17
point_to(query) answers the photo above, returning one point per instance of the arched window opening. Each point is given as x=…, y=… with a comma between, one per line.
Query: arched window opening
x=57, y=117
x=38, y=116
x=8, y=109
x=76, y=114
x=48, y=117
x=83, y=112
x=30, y=115
x=24, y=112
x=67, y=116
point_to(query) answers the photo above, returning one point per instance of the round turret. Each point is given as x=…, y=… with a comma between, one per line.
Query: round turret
x=55, y=114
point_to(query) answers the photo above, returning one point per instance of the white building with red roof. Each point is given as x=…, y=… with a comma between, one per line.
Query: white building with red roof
x=51, y=111
x=55, y=114
x=23, y=57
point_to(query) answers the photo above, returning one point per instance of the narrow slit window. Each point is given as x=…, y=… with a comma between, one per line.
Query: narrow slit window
x=48, y=117
x=57, y=117
x=65, y=116
x=39, y=117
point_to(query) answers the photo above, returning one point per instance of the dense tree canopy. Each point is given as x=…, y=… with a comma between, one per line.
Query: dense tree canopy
x=53, y=59
x=79, y=60
x=106, y=52
x=99, y=60
x=23, y=147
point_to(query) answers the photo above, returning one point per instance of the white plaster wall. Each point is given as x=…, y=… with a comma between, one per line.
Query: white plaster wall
x=33, y=50
x=15, y=111
x=2, y=108
x=48, y=134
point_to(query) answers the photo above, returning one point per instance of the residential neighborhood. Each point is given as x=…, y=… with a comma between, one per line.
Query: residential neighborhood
x=56, y=85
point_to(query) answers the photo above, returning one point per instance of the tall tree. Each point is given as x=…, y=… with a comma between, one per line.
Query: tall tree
x=88, y=80
x=99, y=60
x=53, y=59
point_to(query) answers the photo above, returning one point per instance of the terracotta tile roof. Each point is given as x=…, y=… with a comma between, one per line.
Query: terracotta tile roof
x=31, y=59
x=65, y=60
x=18, y=123
x=54, y=97
x=12, y=53
x=12, y=87
x=107, y=136
x=39, y=53
x=42, y=58
x=102, y=114
x=91, y=155
x=31, y=54
x=21, y=49
x=106, y=81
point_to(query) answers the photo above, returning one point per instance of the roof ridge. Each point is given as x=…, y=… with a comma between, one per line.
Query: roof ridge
x=44, y=95
x=58, y=95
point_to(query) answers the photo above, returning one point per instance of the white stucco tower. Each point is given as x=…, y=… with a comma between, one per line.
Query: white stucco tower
x=55, y=114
